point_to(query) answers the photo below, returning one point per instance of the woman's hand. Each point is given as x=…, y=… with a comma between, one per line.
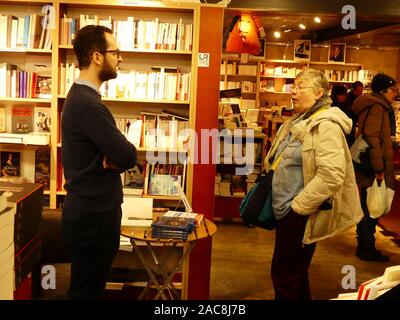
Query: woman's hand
x=379, y=177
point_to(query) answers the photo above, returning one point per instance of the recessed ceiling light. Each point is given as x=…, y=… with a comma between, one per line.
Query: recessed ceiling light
x=317, y=20
x=302, y=26
x=287, y=30
x=277, y=34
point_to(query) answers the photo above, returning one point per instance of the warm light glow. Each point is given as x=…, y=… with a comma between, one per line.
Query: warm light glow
x=287, y=30
x=277, y=34
x=302, y=26
x=244, y=25
x=317, y=20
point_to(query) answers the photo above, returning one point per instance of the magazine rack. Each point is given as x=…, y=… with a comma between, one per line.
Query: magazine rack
x=160, y=277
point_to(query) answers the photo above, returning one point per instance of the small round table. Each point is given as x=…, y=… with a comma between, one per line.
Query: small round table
x=136, y=235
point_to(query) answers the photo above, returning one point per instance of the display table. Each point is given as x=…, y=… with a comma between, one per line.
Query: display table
x=159, y=274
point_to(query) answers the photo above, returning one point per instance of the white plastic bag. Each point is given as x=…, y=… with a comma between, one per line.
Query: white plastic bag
x=359, y=146
x=389, y=199
x=379, y=199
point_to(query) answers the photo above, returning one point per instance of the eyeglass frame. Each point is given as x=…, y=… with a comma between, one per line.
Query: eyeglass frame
x=116, y=52
x=300, y=88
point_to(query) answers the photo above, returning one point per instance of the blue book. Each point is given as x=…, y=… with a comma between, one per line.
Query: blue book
x=26, y=31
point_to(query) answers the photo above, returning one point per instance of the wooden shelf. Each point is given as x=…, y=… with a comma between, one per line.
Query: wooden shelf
x=276, y=92
x=242, y=75
x=155, y=51
x=22, y=50
x=284, y=61
x=337, y=64
x=277, y=77
x=46, y=192
x=26, y=100
x=61, y=192
x=138, y=100
x=171, y=198
x=28, y=139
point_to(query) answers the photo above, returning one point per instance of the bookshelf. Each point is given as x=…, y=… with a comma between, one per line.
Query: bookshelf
x=274, y=77
x=137, y=57
x=22, y=53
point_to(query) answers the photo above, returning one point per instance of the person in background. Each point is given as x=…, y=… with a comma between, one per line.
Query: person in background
x=94, y=154
x=374, y=117
x=339, y=99
x=356, y=90
x=314, y=192
x=338, y=96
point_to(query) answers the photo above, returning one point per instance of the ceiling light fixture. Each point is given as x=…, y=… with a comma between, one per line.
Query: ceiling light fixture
x=287, y=30
x=302, y=26
x=277, y=34
x=317, y=19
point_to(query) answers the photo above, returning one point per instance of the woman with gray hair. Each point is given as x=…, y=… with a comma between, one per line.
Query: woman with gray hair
x=314, y=192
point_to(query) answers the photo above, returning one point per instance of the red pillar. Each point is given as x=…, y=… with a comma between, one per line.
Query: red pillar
x=211, y=25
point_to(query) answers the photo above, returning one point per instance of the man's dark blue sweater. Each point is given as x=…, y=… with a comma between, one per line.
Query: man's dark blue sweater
x=89, y=134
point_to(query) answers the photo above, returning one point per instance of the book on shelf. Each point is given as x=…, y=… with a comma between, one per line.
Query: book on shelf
x=3, y=119
x=10, y=164
x=134, y=131
x=163, y=184
x=21, y=119
x=43, y=82
x=42, y=167
x=134, y=180
x=41, y=119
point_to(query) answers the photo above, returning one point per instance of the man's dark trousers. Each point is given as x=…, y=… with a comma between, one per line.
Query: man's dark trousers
x=93, y=240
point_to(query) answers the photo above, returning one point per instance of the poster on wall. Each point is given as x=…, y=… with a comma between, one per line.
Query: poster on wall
x=302, y=50
x=337, y=52
x=261, y=55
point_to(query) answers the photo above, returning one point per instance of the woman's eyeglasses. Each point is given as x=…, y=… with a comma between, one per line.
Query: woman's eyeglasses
x=295, y=88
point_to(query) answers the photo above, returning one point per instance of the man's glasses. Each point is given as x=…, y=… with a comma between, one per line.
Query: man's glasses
x=116, y=52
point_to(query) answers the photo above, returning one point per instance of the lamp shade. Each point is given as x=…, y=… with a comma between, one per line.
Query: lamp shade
x=244, y=36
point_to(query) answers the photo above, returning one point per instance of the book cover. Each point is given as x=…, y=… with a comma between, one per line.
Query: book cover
x=10, y=164
x=196, y=217
x=173, y=223
x=42, y=120
x=2, y=119
x=42, y=167
x=163, y=184
x=21, y=119
x=134, y=178
x=43, y=84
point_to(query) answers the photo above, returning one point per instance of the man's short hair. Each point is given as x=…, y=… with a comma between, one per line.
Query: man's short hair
x=357, y=84
x=88, y=40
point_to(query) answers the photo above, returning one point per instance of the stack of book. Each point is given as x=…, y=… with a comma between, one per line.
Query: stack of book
x=174, y=225
x=6, y=249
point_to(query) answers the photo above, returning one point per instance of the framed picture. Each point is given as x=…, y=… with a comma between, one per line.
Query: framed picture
x=261, y=55
x=337, y=52
x=302, y=50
